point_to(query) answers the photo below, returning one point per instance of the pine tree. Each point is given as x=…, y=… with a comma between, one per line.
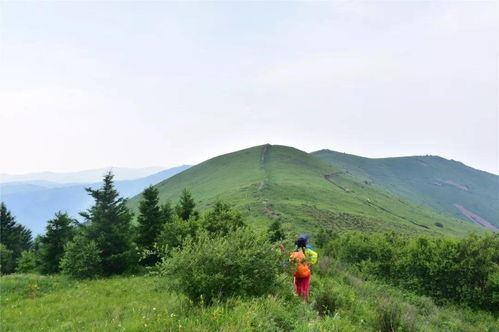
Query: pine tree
x=151, y=219
x=60, y=230
x=14, y=237
x=7, y=227
x=185, y=207
x=166, y=212
x=108, y=224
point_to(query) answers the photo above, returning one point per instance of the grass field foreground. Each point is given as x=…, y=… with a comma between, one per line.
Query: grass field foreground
x=339, y=302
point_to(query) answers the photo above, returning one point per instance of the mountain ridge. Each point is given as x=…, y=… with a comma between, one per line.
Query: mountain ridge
x=270, y=182
x=448, y=186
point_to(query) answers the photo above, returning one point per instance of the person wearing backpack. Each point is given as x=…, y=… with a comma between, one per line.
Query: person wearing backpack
x=303, y=257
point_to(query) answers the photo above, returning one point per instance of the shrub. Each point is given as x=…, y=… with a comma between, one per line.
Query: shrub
x=176, y=231
x=208, y=268
x=323, y=237
x=26, y=263
x=324, y=266
x=439, y=224
x=222, y=219
x=428, y=265
x=275, y=231
x=388, y=317
x=81, y=259
x=326, y=303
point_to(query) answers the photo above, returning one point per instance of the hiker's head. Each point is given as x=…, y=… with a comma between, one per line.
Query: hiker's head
x=301, y=242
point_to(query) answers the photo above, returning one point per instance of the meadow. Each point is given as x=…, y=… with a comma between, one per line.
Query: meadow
x=340, y=301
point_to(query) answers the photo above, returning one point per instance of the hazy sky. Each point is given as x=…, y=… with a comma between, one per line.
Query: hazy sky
x=87, y=85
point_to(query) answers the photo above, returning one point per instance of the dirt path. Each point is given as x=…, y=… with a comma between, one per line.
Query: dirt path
x=369, y=202
x=268, y=209
x=264, y=154
x=263, y=165
x=332, y=175
x=476, y=218
x=329, y=178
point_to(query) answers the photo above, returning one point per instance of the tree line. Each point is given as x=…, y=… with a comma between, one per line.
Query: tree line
x=107, y=241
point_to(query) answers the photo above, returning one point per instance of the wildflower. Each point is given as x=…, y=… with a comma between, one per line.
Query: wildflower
x=153, y=308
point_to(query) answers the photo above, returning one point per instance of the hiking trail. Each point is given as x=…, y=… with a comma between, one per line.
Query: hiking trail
x=263, y=165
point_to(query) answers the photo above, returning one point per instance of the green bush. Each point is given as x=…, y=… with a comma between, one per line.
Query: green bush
x=222, y=219
x=208, y=268
x=326, y=303
x=81, y=259
x=388, y=316
x=26, y=262
x=176, y=231
x=392, y=316
x=462, y=271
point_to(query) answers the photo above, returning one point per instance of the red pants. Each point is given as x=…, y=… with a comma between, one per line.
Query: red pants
x=302, y=286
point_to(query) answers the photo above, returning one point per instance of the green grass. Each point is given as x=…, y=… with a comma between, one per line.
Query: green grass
x=422, y=179
x=271, y=181
x=141, y=303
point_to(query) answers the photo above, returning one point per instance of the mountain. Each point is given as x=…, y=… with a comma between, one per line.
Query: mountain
x=272, y=181
x=86, y=176
x=33, y=205
x=444, y=185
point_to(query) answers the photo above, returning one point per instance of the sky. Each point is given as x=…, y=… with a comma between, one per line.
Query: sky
x=134, y=84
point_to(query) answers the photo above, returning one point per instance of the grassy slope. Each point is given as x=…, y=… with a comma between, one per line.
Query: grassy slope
x=53, y=303
x=422, y=179
x=268, y=182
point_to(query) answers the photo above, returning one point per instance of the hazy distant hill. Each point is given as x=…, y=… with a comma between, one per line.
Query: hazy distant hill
x=33, y=204
x=86, y=176
x=444, y=185
x=271, y=181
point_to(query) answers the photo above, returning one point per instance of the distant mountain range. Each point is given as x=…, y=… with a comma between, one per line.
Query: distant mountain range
x=34, y=203
x=305, y=192
x=86, y=176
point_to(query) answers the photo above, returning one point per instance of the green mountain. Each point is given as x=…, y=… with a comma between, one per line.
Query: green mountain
x=271, y=181
x=444, y=185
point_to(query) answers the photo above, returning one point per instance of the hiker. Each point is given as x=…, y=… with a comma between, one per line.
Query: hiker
x=303, y=257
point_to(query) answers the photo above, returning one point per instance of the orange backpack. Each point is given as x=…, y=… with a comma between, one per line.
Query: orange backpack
x=302, y=269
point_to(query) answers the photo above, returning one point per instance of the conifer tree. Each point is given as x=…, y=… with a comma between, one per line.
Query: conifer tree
x=149, y=218
x=186, y=206
x=108, y=224
x=60, y=231
x=167, y=212
x=14, y=237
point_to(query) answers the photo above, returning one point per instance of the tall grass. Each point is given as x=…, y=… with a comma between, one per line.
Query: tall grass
x=141, y=303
